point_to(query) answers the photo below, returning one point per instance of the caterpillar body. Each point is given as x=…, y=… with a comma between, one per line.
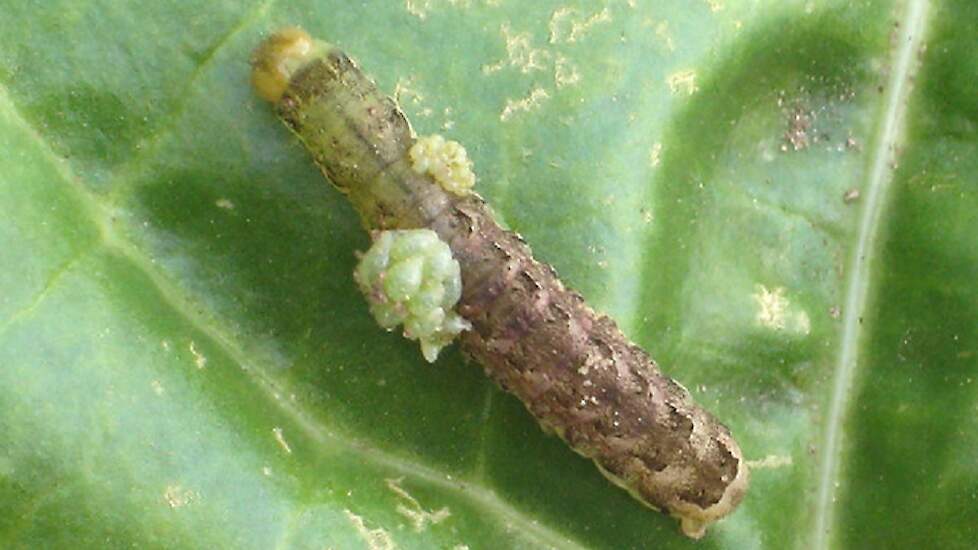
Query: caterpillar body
x=572, y=367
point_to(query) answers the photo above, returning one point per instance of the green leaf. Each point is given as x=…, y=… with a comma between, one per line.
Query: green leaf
x=186, y=361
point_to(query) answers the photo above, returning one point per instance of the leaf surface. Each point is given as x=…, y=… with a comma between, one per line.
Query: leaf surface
x=779, y=200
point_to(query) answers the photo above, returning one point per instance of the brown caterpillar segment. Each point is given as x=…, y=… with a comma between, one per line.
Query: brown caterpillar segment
x=573, y=368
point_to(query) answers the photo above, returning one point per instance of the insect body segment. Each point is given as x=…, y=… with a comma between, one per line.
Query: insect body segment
x=572, y=367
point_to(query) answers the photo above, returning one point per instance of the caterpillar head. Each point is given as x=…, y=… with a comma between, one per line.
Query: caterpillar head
x=278, y=57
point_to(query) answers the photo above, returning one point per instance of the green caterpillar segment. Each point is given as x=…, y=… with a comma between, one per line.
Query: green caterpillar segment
x=409, y=277
x=358, y=137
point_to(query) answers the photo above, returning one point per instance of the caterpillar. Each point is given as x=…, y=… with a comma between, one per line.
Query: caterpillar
x=572, y=367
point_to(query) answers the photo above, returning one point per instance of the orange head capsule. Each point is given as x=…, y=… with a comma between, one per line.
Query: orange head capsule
x=278, y=57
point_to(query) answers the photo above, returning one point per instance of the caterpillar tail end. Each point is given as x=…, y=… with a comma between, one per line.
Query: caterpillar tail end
x=280, y=56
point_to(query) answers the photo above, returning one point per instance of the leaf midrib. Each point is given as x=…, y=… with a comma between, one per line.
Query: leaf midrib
x=877, y=186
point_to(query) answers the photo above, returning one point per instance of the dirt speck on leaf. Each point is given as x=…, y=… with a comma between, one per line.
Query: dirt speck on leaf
x=418, y=516
x=176, y=496
x=567, y=26
x=565, y=72
x=199, y=359
x=682, y=82
x=376, y=539
x=799, y=124
x=528, y=103
x=655, y=154
x=280, y=439
x=520, y=53
x=770, y=462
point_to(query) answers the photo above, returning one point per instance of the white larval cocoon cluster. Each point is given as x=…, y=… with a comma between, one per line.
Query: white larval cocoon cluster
x=446, y=161
x=409, y=277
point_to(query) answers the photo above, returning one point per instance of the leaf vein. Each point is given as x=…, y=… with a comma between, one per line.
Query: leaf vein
x=51, y=284
x=148, y=145
x=880, y=178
